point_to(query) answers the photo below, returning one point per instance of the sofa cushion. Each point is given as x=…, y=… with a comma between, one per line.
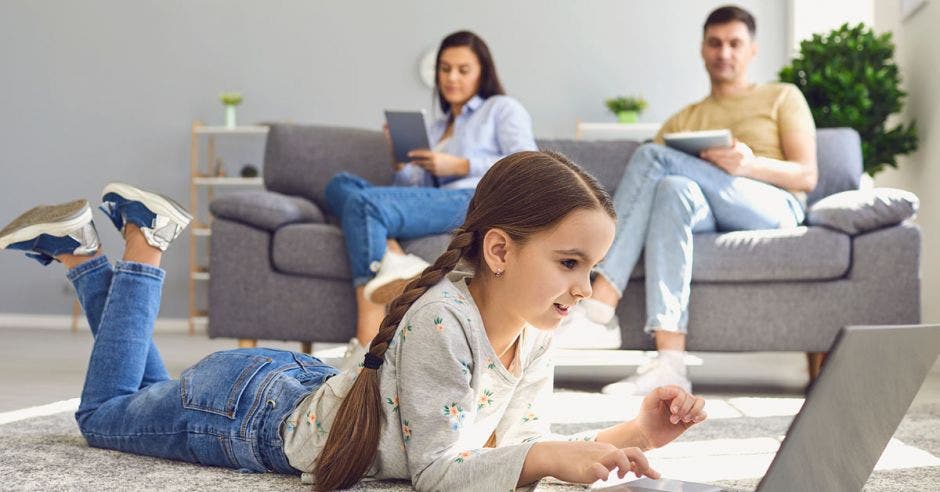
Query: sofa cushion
x=301, y=159
x=774, y=255
x=603, y=159
x=777, y=255
x=319, y=250
x=839, y=159
x=315, y=250
x=429, y=247
x=858, y=211
x=265, y=209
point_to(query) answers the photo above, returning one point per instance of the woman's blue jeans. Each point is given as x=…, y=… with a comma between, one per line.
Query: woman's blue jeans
x=663, y=198
x=227, y=410
x=370, y=215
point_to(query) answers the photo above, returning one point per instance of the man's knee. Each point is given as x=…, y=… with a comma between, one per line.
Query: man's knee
x=678, y=191
x=678, y=186
x=648, y=151
x=648, y=155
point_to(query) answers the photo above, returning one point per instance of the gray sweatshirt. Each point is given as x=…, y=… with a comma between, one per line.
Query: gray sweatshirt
x=445, y=394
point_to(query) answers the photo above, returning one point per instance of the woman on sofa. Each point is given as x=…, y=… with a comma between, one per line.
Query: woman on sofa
x=479, y=125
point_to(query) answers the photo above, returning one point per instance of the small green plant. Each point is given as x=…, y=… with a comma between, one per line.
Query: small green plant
x=231, y=98
x=620, y=104
x=849, y=78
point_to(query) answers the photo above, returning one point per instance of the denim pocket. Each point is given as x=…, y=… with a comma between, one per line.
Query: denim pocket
x=216, y=384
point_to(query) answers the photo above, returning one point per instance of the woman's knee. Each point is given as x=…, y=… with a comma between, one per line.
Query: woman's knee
x=340, y=189
x=358, y=204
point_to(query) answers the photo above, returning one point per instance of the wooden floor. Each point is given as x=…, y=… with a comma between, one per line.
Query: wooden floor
x=40, y=366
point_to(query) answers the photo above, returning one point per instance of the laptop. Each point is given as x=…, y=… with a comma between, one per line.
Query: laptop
x=851, y=411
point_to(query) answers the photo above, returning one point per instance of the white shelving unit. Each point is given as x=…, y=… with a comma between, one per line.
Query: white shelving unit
x=615, y=131
x=201, y=182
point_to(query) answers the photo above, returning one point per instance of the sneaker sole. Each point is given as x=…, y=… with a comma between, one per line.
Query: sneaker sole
x=387, y=293
x=157, y=204
x=55, y=220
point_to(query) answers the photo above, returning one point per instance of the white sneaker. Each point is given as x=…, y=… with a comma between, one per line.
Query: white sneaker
x=597, y=311
x=355, y=353
x=661, y=371
x=578, y=331
x=392, y=276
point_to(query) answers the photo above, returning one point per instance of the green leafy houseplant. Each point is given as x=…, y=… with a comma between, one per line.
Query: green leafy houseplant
x=849, y=78
x=231, y=98
x=627, y=109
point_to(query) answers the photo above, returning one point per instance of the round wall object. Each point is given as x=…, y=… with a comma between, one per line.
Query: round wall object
x=426, y=67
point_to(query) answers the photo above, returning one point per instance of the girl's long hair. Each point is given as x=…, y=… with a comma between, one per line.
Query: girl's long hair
x=522, y=194
x=489, y=80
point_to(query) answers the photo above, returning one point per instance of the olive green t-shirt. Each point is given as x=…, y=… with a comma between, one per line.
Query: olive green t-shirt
x=758, y=117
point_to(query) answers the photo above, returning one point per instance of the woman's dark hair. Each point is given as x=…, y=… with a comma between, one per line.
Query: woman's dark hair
x=489, y=80
x=522, y=194
x=731, y=13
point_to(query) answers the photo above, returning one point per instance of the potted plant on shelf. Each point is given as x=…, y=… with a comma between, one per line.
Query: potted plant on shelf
x=849, y=78
x=230, y=100
x=627, y=109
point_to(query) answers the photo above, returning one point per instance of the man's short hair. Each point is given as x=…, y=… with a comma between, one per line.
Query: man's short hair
x=731, y=13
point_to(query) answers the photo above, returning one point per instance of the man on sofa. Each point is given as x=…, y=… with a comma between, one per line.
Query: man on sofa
x=759, y=182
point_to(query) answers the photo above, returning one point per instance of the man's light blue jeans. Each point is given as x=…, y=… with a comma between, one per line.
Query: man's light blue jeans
x=663, y=198
x=226, y=410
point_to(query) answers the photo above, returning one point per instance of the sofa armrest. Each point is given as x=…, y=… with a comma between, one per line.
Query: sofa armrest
x=265, y=209
x=858, y=211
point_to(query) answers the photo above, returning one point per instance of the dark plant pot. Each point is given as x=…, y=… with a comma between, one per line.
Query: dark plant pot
x=249, y=171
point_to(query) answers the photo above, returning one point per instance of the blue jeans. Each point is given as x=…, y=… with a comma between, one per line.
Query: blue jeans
x=370, y=215
x=663, y=198
x=226, y=410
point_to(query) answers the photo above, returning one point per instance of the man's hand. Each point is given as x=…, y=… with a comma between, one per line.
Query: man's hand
x=735, y=160
x=666, y=413
x=439, y=163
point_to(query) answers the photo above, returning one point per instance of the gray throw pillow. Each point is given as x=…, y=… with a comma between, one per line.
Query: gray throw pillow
x=857, y=211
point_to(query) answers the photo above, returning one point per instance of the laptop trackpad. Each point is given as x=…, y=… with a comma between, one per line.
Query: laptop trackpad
x=648, y=485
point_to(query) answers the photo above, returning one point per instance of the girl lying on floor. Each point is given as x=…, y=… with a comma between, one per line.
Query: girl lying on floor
x=454, y=388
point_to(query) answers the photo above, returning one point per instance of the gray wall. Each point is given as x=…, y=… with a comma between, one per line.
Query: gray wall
x=107, y=89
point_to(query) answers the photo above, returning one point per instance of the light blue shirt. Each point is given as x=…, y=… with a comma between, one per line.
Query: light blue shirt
x=485, y=131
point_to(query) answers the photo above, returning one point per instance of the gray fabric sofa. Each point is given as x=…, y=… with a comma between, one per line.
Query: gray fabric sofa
x=279, y=269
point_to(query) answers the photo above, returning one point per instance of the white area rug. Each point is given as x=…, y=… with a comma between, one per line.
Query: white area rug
x=43, y=450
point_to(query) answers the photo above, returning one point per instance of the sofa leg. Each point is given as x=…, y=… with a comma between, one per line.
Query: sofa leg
x=247, y=343
x=815, y=360
x=306, y=347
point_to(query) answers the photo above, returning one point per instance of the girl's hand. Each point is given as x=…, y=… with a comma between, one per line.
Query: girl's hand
x=582, y=462
x=666, y=413
x=735, y=160
x=439, y=163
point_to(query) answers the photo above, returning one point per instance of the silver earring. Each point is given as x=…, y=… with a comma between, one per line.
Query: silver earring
x=499, y=273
